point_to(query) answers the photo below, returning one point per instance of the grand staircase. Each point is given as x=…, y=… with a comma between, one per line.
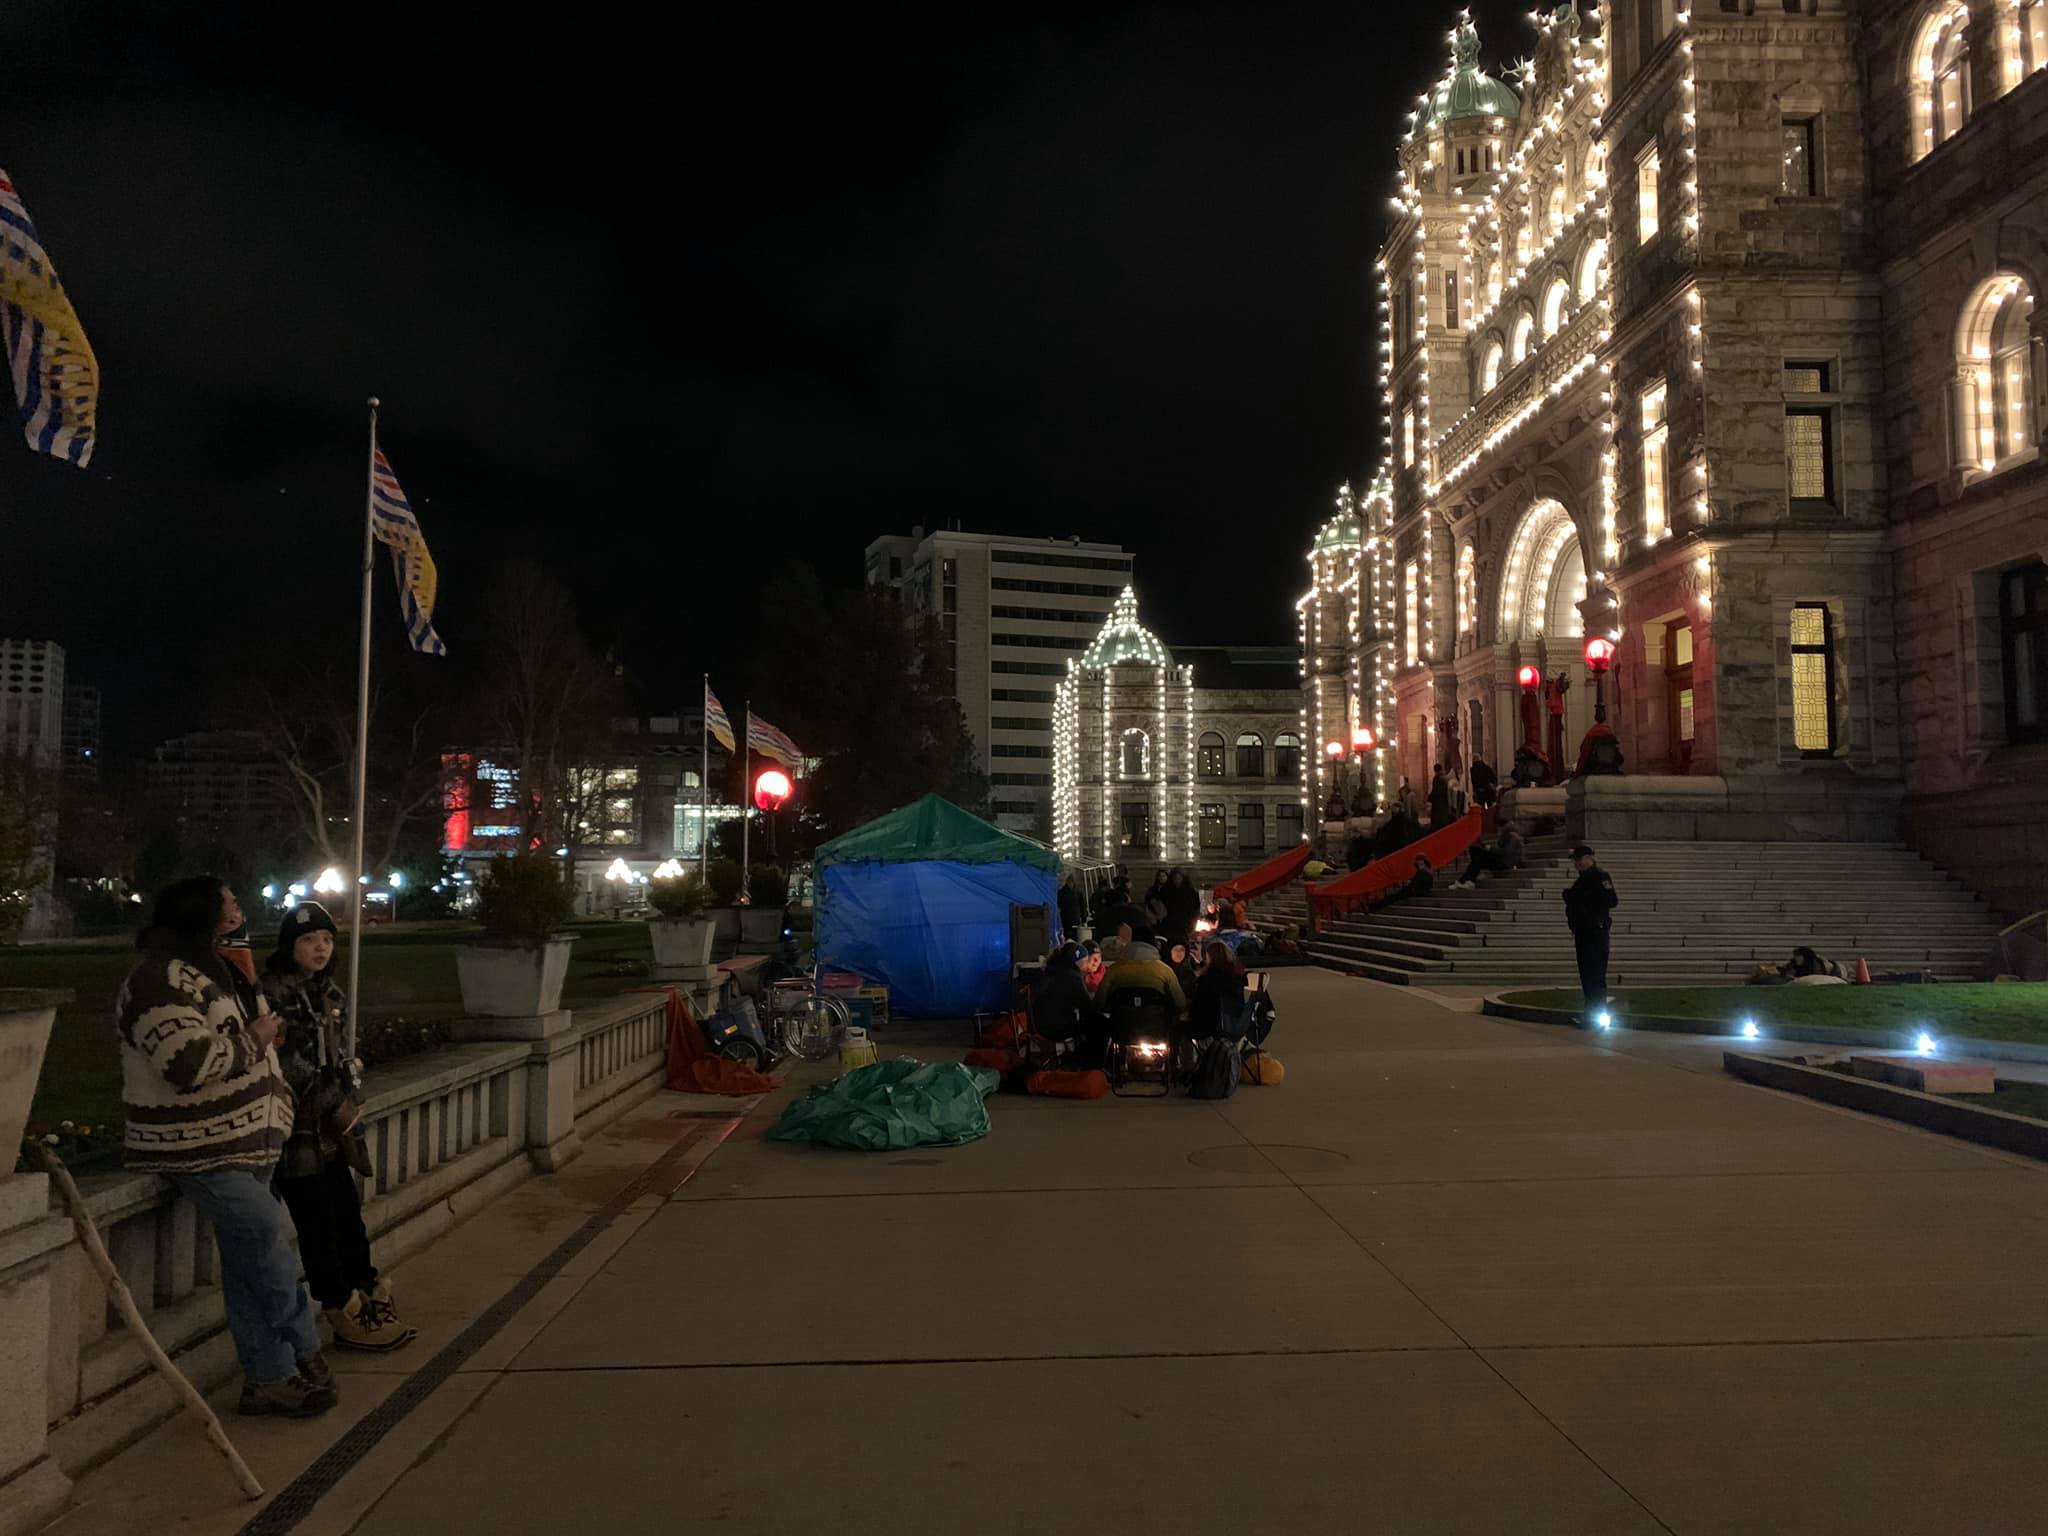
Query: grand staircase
x=1690, y=914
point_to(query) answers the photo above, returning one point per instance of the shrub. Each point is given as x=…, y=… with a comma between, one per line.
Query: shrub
x=768, y=885
x=725, y=876
x=522, y=900
x=684, y=896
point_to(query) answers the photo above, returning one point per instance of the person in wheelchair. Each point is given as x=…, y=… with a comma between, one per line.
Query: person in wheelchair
x=1141, y=966
x=1146, y=1010
x=1063, y=1010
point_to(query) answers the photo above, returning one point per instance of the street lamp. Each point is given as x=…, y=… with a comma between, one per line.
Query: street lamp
x=771, y=788
x=1333, y=750
x=1362, y=740
x=1599, y=657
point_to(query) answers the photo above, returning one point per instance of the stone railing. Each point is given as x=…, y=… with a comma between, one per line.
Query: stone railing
x=448, y=1132
x=1523, y=389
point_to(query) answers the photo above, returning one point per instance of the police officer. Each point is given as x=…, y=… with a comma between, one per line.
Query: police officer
x=1587, y=902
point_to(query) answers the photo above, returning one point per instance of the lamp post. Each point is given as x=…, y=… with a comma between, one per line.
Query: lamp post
x=1362, y=743
x=1530, y=678
x=1599, y=657
x=771, y=789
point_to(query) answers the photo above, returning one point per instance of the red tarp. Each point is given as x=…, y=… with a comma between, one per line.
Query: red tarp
x=1269, y=876
x=1336, y=897
x=692, y=1068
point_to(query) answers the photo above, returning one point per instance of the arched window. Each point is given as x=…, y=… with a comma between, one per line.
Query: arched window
x=1468, y=589
x=1555, y=300
x=2031, y=47
x=1525, y=327
x=1525, y=234
x=1592, y=270
x=1493, y=278
x=1941, y=78
x=1209, y=755
x=1286, y=756
x=1134, y=755
x=1489, y=365
x=1251, y=755
x=1995, y=371
x=1557, y=203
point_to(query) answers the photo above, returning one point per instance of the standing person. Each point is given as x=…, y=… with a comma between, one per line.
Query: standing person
x=209, y=1109
x=1070, y=909
x=317, y=1173
x=1217, y=1004
x=1485, y=782
x=1440, y=812
x=1155, y=903
x=1184, y=904
x=1588, y=901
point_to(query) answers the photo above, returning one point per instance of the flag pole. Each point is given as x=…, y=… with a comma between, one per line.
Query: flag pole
x=356, y=814
x=746, y=773
x=704, y=787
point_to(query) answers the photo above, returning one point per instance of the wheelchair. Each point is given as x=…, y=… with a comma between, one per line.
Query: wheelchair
x=1148, y=1054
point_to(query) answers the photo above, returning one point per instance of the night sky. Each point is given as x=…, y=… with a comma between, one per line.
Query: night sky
x=668, y=303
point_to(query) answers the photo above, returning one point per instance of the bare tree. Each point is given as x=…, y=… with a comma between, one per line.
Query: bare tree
x=28, y=832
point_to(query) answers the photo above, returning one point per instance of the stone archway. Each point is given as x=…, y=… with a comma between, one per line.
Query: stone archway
x=1543, y=578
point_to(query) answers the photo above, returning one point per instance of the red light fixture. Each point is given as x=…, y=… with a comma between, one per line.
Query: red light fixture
x=771, y=788
x=1362, y=739
x=1599, y=654
x=1333, y=749
x=1528, y=677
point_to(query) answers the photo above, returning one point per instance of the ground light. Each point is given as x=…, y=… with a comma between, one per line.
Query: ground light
x=1749, y=1030
x=1924, y=1044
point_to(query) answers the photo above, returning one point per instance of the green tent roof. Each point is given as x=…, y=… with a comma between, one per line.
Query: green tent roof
x=934, y=829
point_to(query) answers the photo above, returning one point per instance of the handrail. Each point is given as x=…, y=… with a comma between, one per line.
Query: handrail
x=1334, y=898
x=1269, y=876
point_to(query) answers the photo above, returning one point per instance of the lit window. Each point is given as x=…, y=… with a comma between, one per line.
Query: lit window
x=1554, y=303
x=1135, y=824
x=1809, y=434
x=1649, y=167
x=1525, y=331
x=1411, y=576
x=1557, y=197
x=1209, y=756
x=1813, y=680
x=1656, y=476
x=2023, y=635
x=1134, y=755
x=1213, y=825
x=1525, y=235
x=1592, y=270
x=1941, y=78
x=1489, y=367
x=2030, y=19
x=1407, y=437
x=1468, y=589
x=1800, y=169
x=1995, y=376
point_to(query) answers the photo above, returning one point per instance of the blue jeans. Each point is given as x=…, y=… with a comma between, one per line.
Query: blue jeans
x=268, y=1313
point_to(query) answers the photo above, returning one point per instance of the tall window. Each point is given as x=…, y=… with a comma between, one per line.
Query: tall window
x=1555, y=300
x=1407, y=437
x=2023, y=650
x=1813, y=680
x=1649, y=167
x=1411, y=579
x=1941, y=77
x=1251, y=828
x=1287, y=824
x=1656, y=473
x=1450, y=295
x=1209, y=755
x=1287, y=756
x=1809, y=432
x=1489, y=367
x=1524, y=334
x=1134, y=826
x=1995, y=376
x=1134, y=755
x=1525, y=234
x=1251, y=755
x=1468, y=589
x=1557, y=209
x=1213, y=825
x=2031, y=18
x=1800, y=169
x=1592, y=270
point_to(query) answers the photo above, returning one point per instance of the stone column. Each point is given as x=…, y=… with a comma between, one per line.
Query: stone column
x=32, y=1486
x=551, y=1139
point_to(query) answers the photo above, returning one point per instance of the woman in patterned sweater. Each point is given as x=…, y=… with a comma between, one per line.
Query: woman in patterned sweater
x=209, y=1109
x=325, y=1151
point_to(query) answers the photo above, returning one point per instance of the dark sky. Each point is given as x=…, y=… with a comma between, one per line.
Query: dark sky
x=671, y=302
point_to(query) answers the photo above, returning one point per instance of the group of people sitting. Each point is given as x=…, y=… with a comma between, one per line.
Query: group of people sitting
x=1207, y=998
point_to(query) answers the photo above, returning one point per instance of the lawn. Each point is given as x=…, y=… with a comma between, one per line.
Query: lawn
x=408, y=969
x=1982, y=1010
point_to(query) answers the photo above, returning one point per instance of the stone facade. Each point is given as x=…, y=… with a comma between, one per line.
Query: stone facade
x=1718, y=340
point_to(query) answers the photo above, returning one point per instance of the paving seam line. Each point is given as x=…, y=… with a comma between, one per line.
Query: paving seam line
x=297, y=1499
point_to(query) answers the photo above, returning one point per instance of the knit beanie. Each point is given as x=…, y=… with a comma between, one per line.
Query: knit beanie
x=307, y=917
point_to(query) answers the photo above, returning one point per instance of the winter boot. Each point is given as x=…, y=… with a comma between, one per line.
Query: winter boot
x=317, y=1372
x=292, y=1398
x=359, y=1325
x=380, y=1303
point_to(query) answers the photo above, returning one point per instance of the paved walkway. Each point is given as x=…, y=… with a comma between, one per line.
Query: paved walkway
x=1458, y=1274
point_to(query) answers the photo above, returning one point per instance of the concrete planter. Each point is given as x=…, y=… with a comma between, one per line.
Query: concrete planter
x=681, y=943
x=26, y=1015
x=761, y=927
x=509, y=982
x=725, y=927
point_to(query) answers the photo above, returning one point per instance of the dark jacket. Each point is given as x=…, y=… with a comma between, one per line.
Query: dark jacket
x=1061, y=1008
x=1070, y=909
x=1423, y=882
x=310, y=1048
x=1440, y=813
x=1588, y=900
x=1217, y=1006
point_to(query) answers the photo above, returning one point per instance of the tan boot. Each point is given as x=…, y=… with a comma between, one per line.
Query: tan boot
x=292, y=1398
x=359, y=1325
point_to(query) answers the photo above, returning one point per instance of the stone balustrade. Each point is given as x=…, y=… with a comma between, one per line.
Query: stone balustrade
x=448, y=1131
x=1523, y=388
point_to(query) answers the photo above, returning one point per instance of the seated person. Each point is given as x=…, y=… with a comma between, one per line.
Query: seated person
x=1091, y=965
x=1062, y=1007
x=1218, y=1004
x=1504, y=854
x=1421, y=883
x=1141, y=966
x=1182, y=964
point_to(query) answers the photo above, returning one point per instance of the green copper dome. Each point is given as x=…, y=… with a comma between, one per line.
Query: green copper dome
x=1469, y=93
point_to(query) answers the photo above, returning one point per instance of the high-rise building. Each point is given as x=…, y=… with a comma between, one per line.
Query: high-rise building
x=82, y=733
x=32, y=699
x=217, y=778
x=1013, y=612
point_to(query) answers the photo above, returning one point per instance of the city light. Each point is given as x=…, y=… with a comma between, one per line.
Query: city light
x=329, y=883
x=1924, y=1044
x=1749, y=1029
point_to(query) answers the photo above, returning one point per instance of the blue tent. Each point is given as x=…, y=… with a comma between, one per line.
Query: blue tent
x=920, y=899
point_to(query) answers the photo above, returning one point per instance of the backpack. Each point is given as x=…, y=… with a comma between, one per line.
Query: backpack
x=1216, y=1070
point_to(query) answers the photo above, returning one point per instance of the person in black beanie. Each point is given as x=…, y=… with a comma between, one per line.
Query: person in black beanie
x=1589, y=904
x=316, y=1174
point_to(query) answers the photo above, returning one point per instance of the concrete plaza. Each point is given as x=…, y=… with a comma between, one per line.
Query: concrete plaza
x=1457, y=1274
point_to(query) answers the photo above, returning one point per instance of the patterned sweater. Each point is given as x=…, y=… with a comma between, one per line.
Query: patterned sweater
x=201, y=1093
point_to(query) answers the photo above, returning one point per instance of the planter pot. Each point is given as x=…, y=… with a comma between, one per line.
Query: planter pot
x=725, y=926
x=506, y=982
x=681, y=943
x=761, y=928
x=26, y=1015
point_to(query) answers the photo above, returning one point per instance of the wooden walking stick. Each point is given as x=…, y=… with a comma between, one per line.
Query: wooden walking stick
x=124, y=1303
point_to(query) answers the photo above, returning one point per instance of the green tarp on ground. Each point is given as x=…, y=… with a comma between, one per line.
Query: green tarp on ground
x=892, y=1105
x=934, y=830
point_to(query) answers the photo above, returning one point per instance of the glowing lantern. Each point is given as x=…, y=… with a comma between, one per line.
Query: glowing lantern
x=1599, y=654
x=1362, y=739
x=1333, y=749
x=1528, y=677
x=771, y=788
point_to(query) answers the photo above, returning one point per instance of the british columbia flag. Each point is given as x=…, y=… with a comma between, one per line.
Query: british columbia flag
x=391, y=518
x=56, y=377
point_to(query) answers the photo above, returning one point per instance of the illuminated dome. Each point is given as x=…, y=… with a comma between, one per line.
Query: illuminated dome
x=1468, y=92
x=1123, y=638
x=1341, y=532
